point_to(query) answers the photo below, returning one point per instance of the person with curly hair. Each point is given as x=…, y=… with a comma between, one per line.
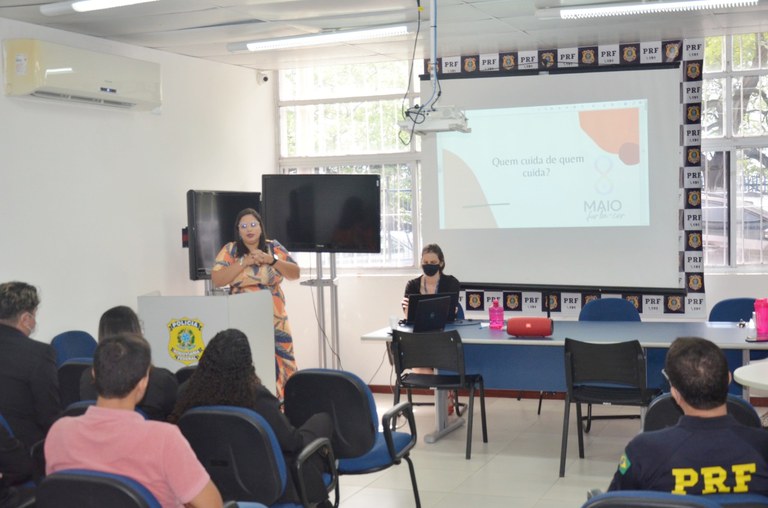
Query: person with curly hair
x=225, y=376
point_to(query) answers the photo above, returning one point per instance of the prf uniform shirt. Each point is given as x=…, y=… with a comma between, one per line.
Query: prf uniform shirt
x=696, y=456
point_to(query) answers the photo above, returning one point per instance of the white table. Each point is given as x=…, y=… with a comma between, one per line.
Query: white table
x=754, y=375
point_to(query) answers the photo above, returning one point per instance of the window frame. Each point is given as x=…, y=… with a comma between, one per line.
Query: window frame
x=730, y=145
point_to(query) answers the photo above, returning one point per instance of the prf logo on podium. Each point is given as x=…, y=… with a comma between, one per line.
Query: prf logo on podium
x=185, y=341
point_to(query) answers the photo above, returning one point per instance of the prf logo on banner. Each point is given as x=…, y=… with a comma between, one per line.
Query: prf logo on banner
x=185, y=341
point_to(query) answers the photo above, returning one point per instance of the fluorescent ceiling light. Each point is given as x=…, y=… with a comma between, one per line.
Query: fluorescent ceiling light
x=635, y=8
x=59, y=8
x=320, y=39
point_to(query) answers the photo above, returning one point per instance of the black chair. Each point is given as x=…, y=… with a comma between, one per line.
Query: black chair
x=604, y=309
x=241, y=454
x=70, y=372
x=443, y=351
x=80, y=488
x=664, y=412
x=358, y=443
x=185, y=373
x=602, y=374
x=733, y=310
x=78, y=408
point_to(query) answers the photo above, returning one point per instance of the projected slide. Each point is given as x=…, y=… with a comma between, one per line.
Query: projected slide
x=558, y=166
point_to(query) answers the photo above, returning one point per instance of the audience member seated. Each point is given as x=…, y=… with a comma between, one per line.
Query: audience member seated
x=708, y=451
x=160, y=398
x=29, y=384
x=113, y=438
x=15, y=469
x=226, y=376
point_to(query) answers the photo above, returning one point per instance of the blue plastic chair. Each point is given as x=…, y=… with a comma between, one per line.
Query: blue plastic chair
x=83, y=488
x=733, y=310
x=651, y=499
x=241, y=454
x=73, y=344
x=362, y=443
x=648, y=499
x=609, y=309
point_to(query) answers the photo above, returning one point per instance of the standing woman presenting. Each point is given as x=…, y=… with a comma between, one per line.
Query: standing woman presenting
x=253, y=263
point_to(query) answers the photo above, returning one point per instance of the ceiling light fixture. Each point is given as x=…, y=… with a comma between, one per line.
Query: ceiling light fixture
x=320, y=39
x=73, y=6
x=636, y=8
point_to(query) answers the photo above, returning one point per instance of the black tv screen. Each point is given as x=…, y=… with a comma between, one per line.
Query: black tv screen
x=323, y=213
x=211, y=224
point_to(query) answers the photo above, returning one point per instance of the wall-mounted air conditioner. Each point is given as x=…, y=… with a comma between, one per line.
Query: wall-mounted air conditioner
x=52, y=71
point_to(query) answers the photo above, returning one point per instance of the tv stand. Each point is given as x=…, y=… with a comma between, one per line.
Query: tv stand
x=320, y=282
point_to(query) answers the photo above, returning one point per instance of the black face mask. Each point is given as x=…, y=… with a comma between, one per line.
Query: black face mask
x=430, y=270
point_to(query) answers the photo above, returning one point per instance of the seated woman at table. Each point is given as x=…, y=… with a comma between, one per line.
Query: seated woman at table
x=433, y=280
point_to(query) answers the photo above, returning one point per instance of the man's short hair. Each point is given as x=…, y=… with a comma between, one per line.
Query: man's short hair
x=17, y=298
x=119, y=363
x=698, y=369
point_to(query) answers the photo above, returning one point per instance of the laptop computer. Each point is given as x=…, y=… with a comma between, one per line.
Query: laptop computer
x=431, y=314
x=414, y=299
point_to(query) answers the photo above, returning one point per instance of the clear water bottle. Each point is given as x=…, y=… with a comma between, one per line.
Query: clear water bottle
x=496, y=315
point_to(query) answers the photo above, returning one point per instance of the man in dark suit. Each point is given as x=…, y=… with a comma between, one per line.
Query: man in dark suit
x=29, y=386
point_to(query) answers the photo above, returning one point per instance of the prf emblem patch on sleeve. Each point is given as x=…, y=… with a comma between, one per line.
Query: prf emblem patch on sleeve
x=624, y=463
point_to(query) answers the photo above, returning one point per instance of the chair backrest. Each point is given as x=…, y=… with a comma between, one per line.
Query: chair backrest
x=70, y=373
x=80, y=488
x=78, y=408
x=239, y=450
x=664, y=412
x=345, y=397
x=733, y=310
x=185, y=373
x=438, y=350
x=619, y=363
x=7, y=426
x=609, y=309
x=648, y=499
x=73, y=344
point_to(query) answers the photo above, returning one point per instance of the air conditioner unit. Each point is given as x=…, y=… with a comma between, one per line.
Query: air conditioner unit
x=52, y=71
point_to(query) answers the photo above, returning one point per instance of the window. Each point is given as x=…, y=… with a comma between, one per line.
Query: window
x=735, y=146
x=343, y=120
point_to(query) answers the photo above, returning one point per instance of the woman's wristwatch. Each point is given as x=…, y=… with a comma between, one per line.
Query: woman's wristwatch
x=274, y=260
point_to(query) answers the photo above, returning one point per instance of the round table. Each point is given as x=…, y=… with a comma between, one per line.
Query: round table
x=753, y=375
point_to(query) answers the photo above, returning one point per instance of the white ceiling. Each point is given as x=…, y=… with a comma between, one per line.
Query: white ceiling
x=203, y=28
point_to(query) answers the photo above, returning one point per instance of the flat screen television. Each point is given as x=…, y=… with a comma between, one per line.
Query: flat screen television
x=323, y=213
x=211, y=218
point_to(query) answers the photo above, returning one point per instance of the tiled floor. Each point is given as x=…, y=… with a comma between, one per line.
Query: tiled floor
x=518, y=467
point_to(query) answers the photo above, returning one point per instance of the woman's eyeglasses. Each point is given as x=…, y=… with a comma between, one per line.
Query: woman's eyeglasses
x=251, y=224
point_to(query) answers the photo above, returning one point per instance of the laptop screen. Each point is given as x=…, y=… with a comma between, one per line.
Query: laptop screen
x=431, y=314
x=414, y=299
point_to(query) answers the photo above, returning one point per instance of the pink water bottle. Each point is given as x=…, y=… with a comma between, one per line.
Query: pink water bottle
x=496, y=315
x=761, y=317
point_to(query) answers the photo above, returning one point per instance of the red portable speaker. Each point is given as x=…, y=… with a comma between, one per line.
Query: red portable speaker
x=530, y=326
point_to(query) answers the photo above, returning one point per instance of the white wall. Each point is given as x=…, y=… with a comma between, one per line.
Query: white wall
x=92, y=200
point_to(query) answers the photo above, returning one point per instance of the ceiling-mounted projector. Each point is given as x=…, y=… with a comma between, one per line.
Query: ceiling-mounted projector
x=436, y=119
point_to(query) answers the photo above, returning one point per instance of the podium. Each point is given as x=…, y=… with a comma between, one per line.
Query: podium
x=179, y=327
